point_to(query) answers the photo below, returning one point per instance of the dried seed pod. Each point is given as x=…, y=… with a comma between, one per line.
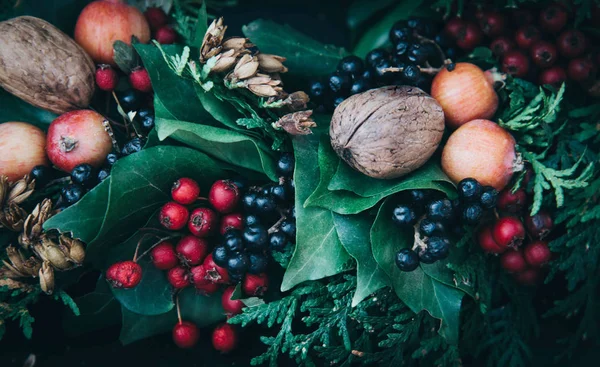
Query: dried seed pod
x=46, y=275
x=12, y=217
x=387, y=132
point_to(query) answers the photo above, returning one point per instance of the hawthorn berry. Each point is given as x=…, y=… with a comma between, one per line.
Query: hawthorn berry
x=469, y=37
x=526, y=36
x=513, y=261
x=178, y=277
x=508, y=232
x=199, y=275
x=165, y=35
x=581, y=69
x=106, y=78
x=571, y=43
x=544, y=54
x=192, y=250
x=214, y=272
x=554, y=76
x=492, y=24
x=163, y=256
x=538, y=225
x=124, y=274
x=140, y=80
x=453, y=27
x=487, y=243
x=225, y=338
x=255, y=284
x=185, y=334
x=224, y=196
x=537, y=253
x=207, y=289
x=502, y=45
x=173, y=216
x=553, y=18
x=203, y=222
x=156, y=17
x=231, y=221
x=231, y=306
x=529, y=277
x=512, y=202
x=185, y=191
x=515, y=63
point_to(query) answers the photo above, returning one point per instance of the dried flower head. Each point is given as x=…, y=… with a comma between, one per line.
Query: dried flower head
x=297, y=123
x=32, y=228
x=73, y=248
x=237, y=44
x=246, y=68
x=271, y=63
x=264, y=86
x=46, y=274
x=20, y=190
x=211, y=44
x=48, y=250
x=12, y=217
x=225, y=61
x=4, y=189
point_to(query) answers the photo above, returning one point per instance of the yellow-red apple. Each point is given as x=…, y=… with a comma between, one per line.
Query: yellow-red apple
x=22, y=147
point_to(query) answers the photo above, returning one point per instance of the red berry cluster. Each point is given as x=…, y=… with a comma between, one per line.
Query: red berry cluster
x=507, y=235
x=107, y=79
x=533, y=44
x=224, y=337
x=161, y=30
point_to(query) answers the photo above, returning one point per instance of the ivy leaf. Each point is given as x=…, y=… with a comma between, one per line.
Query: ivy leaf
x=354, y=234
x=15, y=109
x=304, y=55
x=319, y=253
x=417, y=289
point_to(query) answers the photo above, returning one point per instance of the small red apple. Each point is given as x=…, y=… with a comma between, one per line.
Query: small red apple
x=22, y=147
x=101, y=23
x=78, y=137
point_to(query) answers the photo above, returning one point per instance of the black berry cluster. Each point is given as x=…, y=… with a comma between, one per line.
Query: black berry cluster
x=437, y=220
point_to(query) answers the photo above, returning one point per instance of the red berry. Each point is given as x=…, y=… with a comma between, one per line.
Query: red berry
x=203, y=221
x=508, y=231
x=106, y=78
x=553, y=18
x=178, y=277
x=502, y=45
x=469, y=37
x=539, y=225
x=231, y=221
x=173, y=216
x=513, y=261
x=185, y=191
x=224, y=196
x=515, y=63
x=571, y=43
x=492, y=24
x=554, y=76
x=526, y=36
x=192, y=250
x=156, y=17
x=453, y=27
x=511, y=202
x=255, y=285
x=537, y=253
x=232, y=307
x=185, y=334
x=224, y=338
x=140, y=80
x=165, y=35
x=214, y=272
x=487, y=243
x=207, y=289
x=124, y=274
x=163, y=256
x=544, y=54
x=522, y=17
x=528, y=277
x=581, y=70
x=199, y=275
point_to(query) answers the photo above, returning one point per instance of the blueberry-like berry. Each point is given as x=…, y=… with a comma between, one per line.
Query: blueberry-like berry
x=72, y=193
x=411, y=74
x=440, y=210
x=469, y=189
x=376, y=56
x=265, y=204
x=285, y=164
x=401, y=51
x=129, y=99
x=83, y=174
x=417, y=53
x=41, y=174
x=288, y=227
x=220, y=255
x=111, y=159
x=280, y=192
x=429, y=228
x=352, y=65
x=407, y=260
x=103, y=174
x=418, y=197
x=472, y=214
x=251, y=221
x=439, y=247
x=145, y=117
x=238, y=263
x=234, y=242
x=359, y=85
x=400, y=32
x=404, y=215
x=249, y=202
x=278, y=241
x=339, y=83
x=256, y=238
x=426, y=257
x=380, y=71
x=488, y=197
x=336, y=102
x=443, y=40
x=258, y=263
x=132, y=146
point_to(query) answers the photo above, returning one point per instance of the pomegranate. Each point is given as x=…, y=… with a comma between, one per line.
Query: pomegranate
x=22, y=147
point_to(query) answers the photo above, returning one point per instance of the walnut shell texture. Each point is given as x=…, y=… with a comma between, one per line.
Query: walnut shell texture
x=43, y=66
x=387, y=132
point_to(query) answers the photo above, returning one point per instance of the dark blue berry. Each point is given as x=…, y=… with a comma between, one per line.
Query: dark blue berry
x=440, y=210
x=111, y=159
x=376, y=56
x=249, y=202
x=258, y=263
x=367, y=75
x=407, y=260
x=83, y=174
x=401, y=50
x=72, y=193
x=129, y=100
x=443, y=40
x=265, y=204
x=404, y=215
x=418, y=197
x=288, y=227
x=428, y=227
x=280, y=192
x=238, y=263
x=316, y=91
x=352, y=65
x=488, y=197
x=278, y=241
x=256, y=238
x=417, y=53
x=234, y=243
x=145, y=117
x=42, y=175
x=439, y=247
x=285, y=164
x=359, y=85
x=451, y=53
x=148, y=122
x=472, y=214
x=336, y=102
x=339, y=84
x=469, y=189
x=381, y=74
x=427, y=258
x=103, y=174
x=132, y=146
x=411, y=74
x=400, y=32
x=423, y=27
x=251, y=221
x=220, y=255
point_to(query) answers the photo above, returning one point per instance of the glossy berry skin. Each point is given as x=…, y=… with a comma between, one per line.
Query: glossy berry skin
x=225, y=338
x=111, y=159
x=165, y=35
x=231, y=307
x=178, y=277
x=83, y=174
x=513, y=261
x=258, y=263
x=512, y=202
x=411, y=74
x=231, y=221
x=571, y=43
x=529, y=277
x=360, y=85
x=133, y=146
x=281, y=193
x=224, y=196
x=539, y=225
x=255, y=284
x=164, y=256
x=537, y=254
x=472, y=214
x=285, y=165
x=544, y=54
x=316, y=91
x=207, y=289
x=581, y=69
x=238, y=263
x=418, y=197
x=352, y=65
x=199, y=276
x=173, y=216
x=407, y=260
x=129, y=99
x=185, y=334
x=487, y=243
x=41, y=174
x=192, y=250
x=185, y=191
x=426, y=257
x=252, y=221
x=469, y=37
x=401, y=32
x=375, y=57
x=220, y=255
x=440, y=210
x=488, y=197
x=103, y=174
x=429, y=228
x=527, y=36
x=156, y=17
x=72, y=193
x=288, y=227
x=502, y=45
x=124, y=274
x=492, y=24
x=146, y=119
x=515, y=63
x=553, y=18
x=140, y=80
x=469, y=189
x=508, y=232
x=106, y=78
x=203, y=222
x=403, y=215
x=339, y=84
x=256, y=238
x=277, y=241
x=553, y=76
x=214, y=272
x=438, y=247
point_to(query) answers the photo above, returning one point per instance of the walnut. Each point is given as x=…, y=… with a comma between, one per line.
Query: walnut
x=387, y=132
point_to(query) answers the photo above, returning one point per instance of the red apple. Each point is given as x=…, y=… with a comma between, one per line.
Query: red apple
x=101, y=23
x=78, y=137
x=22, y=147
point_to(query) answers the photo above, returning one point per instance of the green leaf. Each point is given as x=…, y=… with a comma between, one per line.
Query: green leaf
x=318, y=253
x=60, y=13
x=15, y=109
x=354, y=234
x=220, y=110
x=304, y=55
x=227, y=145
x=125, y=56
x=362, y=10
x=201, y=27
x=417, y=289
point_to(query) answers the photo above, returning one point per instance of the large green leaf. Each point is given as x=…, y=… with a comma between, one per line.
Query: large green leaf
x=362, y=10
x=318, y=251
x=15, y=109
x=354, y=234
x=418, y=289
x=304, y=55
x=227, y=145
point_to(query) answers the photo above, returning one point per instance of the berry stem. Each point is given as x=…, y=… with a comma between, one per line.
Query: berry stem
x=277, y=224
x=178, y=308
x=425, y=70
x=136, y=257
x=419, y=243
x=427, y=40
